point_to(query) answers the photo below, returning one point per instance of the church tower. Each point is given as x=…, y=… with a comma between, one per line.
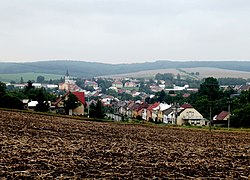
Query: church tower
x=66, y=77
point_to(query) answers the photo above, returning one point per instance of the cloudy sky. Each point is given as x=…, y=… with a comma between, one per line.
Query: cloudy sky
x=117, y=31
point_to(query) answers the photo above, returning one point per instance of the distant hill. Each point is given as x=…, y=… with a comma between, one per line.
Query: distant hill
x=93, y=69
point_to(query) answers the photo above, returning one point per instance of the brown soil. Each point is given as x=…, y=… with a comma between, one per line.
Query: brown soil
x=47, y=147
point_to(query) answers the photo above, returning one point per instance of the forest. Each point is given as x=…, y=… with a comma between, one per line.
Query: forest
x=92, y=69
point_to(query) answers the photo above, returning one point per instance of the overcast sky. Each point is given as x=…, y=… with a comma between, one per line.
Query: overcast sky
x=118, y=31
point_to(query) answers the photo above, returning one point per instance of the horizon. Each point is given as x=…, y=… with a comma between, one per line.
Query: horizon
x=118, y=31
x=142, y=62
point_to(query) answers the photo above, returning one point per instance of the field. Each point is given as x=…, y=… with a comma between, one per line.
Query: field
x=47, y=147
x=204, y=72
x=27, y=76
x=218, y=73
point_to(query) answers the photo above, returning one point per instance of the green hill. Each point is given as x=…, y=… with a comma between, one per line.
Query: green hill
x=92, y=69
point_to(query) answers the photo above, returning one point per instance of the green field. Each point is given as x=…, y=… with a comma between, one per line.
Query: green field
x=27, y=76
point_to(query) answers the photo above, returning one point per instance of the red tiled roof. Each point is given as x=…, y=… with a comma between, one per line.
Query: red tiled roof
x=222, y=115
x=61, y=98
x=186, y=106
x=186, y=95
x=117, y=82
x=80, y=96
x=153, y=106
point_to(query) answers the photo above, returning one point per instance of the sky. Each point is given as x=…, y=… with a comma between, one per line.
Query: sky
x=124, y=31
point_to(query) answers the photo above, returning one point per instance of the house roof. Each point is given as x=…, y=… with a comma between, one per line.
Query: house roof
x=222, y=115
x=186, y=105
x=186, y=95
x=32, y=104
x=142, y=106
x=80, y=96
x=153, y=106
x=168, y=111
x=117, y=82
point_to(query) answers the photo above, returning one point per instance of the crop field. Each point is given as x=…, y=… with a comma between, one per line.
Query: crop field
x=48, y=147
x=27, y=76
x=218, y=73
x=203, y=71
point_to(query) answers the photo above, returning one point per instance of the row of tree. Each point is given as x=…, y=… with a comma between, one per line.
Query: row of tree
x=13, y=98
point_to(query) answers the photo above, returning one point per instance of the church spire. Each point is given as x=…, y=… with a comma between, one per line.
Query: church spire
x=66, y=78
x=67, y=73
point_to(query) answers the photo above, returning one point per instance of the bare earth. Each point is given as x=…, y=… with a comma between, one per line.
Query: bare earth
x=47, y=147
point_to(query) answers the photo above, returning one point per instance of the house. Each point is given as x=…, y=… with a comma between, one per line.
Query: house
x=32, y=105
x=189, y=115
x=130, y=107
x=158, y=112
x=150, y=114
x=25, y=103
x=59, y=104
x=138, y=110
x=221, y=119
x=169, y=116
x=244, y=88
x=130, y=84
x=91, y=84
x=117, y=84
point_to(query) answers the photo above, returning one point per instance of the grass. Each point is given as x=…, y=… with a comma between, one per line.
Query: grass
x=27, y=76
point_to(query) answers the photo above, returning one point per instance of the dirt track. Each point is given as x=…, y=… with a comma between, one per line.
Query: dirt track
x=44, y=147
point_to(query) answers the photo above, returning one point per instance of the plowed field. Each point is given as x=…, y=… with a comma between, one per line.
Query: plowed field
x=47, y=147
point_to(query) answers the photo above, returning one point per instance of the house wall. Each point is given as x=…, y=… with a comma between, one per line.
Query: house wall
x=149, y=115
x=154, y=115
x=189, y=115
x=144, y=114
x=168, y=118
x=160, y=116
x=64, y=86
x=79, y=110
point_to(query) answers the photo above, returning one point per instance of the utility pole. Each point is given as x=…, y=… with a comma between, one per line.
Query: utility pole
x=229, y=113
x=88, y=106
x=210, y=116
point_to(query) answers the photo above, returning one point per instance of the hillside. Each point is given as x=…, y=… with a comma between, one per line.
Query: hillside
x=47, y=147
x=91, y=69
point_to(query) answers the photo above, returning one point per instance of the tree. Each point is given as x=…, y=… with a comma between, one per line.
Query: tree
x=21, y=80
x=11, y=102
x=2, y=88
x=71, y=103
x=99, y=110
x=28, y=87
x=96, y=110
x=41, y=98
x=40, y=79
x=178, y=77
x=112, y=92
x=161, y=95
x=210, y=88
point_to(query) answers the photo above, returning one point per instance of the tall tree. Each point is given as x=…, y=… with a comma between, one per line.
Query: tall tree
x=96, y=110
x=71, y=102
x=210, y=88
x=28, y=87
x=2, y=88
x=40, y=79
x=21, y=80
x=42, y=100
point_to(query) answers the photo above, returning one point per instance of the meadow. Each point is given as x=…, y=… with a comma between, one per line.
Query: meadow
x=27, y=76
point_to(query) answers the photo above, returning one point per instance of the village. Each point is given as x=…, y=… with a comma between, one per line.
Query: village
x=127, y=99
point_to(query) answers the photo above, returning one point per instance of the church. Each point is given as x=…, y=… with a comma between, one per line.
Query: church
x=69, y=84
